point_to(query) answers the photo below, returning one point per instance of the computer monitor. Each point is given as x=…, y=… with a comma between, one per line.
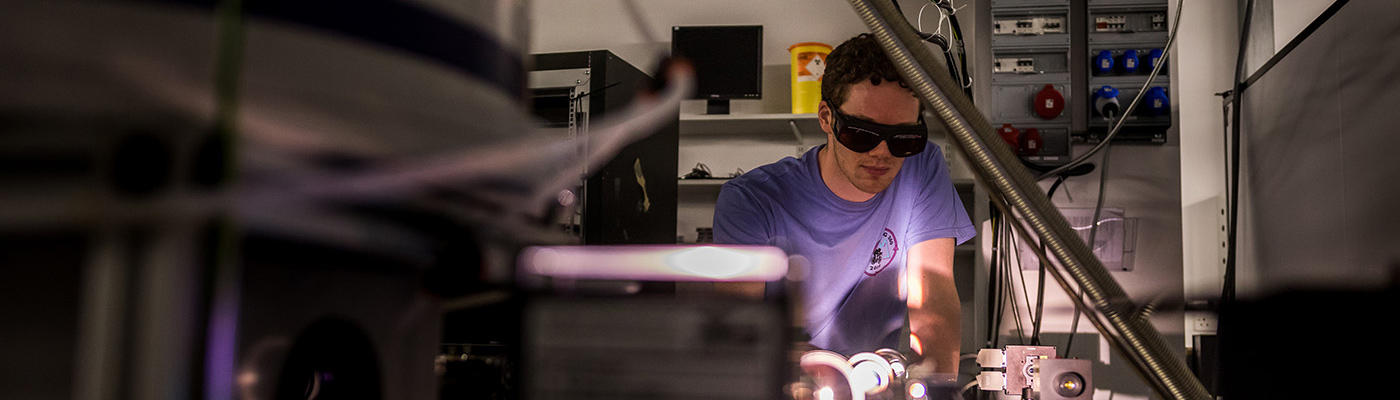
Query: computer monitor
x=728, y=62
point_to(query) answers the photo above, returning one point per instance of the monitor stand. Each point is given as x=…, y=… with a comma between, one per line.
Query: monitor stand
x=717, y=106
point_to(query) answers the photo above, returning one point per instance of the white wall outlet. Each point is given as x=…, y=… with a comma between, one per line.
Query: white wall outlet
x=1204, y=323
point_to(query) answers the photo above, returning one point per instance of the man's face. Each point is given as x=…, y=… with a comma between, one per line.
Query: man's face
x=887, y=103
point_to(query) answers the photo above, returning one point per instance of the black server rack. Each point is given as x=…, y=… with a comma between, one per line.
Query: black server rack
x=632, y=198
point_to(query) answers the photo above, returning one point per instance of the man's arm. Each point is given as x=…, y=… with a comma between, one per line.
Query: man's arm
x=935, y=313
x=738, y=221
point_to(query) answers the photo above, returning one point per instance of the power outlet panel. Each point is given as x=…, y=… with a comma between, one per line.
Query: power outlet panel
x=1014, y=65
x=1203, y=323
x=1029, y=26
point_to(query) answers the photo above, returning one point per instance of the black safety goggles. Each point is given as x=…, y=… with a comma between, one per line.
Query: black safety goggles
x=861, y=135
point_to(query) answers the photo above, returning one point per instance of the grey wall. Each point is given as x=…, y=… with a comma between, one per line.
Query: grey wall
x=567, y=25
x=1320, y=177
x=1205, y=55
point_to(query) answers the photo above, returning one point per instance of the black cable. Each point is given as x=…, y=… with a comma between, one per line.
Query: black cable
x=1098, y=207
x=1000, y=264
x=1004, y=283
x=1008, y=288
x=1227, y=290
x=1040, y=286
x=1044, y=260
x=1051, y=193
x=1016, y=246
x=1015, y=311
x=952, y=66
x=962, y=54
x=604, y=88
x=1039, y=299
x=957, y=69
x=1226, y=116
x=1073, y=327
x=992, y=282
x=1093, y=236
x=1004, y=286
x=1227, y=293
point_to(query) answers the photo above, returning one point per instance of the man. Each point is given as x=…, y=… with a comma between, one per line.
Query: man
x=873, y=212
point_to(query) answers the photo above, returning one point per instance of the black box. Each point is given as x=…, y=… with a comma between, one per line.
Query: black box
x=632, y=198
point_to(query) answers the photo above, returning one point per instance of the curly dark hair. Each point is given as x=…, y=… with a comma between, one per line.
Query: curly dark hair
x=858, y=58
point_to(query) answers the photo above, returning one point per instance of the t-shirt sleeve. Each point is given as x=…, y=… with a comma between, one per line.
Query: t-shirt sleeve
x=939, y=212
x=739, y=218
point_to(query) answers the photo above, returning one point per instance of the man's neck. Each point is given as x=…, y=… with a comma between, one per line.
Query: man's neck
x=837, y=183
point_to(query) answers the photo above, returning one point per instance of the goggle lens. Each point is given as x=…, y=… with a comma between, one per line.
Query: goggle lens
x=862, y=136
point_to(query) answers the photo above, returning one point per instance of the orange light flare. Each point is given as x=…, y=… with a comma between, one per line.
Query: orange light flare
x=915, y=281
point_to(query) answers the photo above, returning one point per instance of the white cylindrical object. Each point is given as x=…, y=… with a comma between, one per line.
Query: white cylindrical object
x=991, y=380
x=816, y=361
x=991, y=358
x=870, y=373
x=657, y=262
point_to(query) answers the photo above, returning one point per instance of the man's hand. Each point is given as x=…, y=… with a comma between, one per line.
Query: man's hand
x=935, y=313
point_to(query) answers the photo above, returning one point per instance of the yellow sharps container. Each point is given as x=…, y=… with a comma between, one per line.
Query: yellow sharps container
x=808, y=66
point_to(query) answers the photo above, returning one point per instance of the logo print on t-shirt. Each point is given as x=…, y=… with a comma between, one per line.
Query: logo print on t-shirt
x=885, y=250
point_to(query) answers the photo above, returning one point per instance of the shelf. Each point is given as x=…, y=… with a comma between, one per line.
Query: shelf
x=702, y=190
x=759, y=126
x=716, y=182
x=749, y=117
x=699, y=192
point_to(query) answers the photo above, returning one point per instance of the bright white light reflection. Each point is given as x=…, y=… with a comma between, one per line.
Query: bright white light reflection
x=897, y=368
x=712, y=262
x=544, y=260
x=825, y=394
x=865, y=377
x=917, y=390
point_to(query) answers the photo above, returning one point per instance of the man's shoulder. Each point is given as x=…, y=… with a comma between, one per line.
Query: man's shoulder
x=919, y=169
x=773, y=176
x=931, y=159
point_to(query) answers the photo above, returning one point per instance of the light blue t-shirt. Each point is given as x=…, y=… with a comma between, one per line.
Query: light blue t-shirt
x=855, y=251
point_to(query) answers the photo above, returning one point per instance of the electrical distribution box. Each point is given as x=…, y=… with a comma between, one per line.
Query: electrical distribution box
x=1031, y=78
x=1064, y=71
x=1124, y=40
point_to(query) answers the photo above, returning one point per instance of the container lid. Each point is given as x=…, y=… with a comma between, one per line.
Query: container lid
x=809, y=44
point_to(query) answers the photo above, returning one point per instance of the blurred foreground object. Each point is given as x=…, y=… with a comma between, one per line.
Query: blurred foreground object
x=883, y=374
x=591, y=330
x=259, y=200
